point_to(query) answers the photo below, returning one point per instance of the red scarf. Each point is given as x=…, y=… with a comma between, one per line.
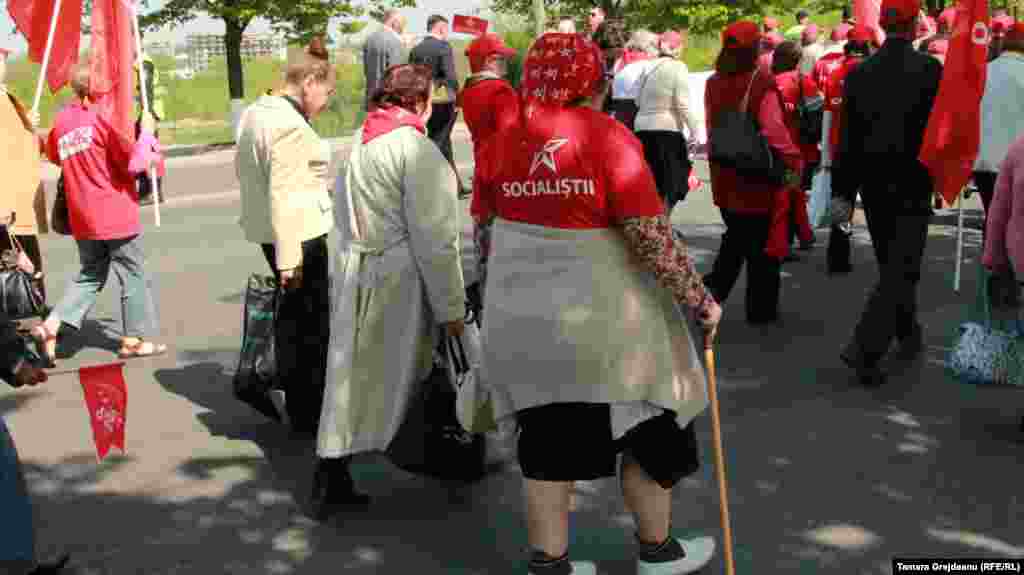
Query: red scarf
x=387, y=119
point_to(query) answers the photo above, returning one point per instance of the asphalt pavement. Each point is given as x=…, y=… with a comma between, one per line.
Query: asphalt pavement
x=824, y=476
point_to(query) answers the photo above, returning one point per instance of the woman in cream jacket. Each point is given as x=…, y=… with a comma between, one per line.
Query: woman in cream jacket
x=663, y=102
x=282, y=167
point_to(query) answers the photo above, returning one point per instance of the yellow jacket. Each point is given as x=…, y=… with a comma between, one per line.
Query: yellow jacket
x=282, y=166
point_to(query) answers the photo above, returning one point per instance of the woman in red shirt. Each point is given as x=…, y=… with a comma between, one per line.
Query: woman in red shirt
x=746, y=204
x=795, y=87
x=584, y=346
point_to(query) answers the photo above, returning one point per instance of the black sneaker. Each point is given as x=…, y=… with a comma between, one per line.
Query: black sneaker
x=334, y=489
x=51, y=568
x=867, y=375
x=912, y=345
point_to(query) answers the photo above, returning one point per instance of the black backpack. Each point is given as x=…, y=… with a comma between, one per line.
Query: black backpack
x=811, y=112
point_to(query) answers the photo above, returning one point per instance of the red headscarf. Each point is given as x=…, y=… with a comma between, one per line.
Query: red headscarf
x=559, y=69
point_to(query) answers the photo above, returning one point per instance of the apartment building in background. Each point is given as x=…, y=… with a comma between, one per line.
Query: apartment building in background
x=205, y=48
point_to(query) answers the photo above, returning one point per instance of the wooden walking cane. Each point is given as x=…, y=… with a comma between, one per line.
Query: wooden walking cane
x=716, y=426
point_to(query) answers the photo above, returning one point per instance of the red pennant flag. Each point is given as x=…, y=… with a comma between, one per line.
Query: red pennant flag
x=32, y=18
x=953, y=134
x=867, y=12
x=113, y=54
x=469, y=25
x=106, y=398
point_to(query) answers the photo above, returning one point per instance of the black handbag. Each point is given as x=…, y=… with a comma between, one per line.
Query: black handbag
x=20, y=296
x=737, y=143
x=59, y=220
x=811, y=113
x=257, y=372
x=431, y=441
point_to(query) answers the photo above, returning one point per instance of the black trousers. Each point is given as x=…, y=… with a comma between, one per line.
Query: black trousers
x=986, y=183
x=898, y=238
x=439, y=129
x=302, y=333
x=666, y=156
x=745, y=238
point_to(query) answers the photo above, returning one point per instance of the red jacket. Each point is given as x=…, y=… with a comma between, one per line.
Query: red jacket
x=790, y=91
x=824, y=67
x=731, y=191
x=834, y=100
x=489, y=105
x=101, y=195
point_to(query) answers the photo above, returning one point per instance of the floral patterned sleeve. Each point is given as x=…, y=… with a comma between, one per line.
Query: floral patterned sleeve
x=651, y=239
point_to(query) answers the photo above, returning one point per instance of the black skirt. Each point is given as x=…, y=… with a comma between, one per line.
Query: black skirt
x=574, y=442
x=666, y=155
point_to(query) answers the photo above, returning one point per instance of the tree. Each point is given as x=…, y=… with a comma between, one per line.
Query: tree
x=297, y=20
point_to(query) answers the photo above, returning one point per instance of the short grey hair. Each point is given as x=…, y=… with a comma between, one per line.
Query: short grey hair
x=644, y=40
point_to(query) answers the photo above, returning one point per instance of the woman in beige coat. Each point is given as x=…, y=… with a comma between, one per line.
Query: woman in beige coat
x=282, y=166
x=22, y=198
x=396, y=276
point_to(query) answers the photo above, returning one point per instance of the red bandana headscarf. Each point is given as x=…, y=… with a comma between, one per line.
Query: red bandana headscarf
x=386, y=119
x=560, y=68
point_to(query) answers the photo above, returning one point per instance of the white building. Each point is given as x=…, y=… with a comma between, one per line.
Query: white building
x=204, y=48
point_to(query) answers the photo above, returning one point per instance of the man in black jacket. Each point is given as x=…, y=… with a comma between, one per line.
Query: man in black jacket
x=880, y=138
x=435, y=51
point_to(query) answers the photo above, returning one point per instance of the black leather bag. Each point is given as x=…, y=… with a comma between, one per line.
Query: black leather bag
x=431, y=441
x=737, y=143
x=811, y=112
x=59, y=220
x=20, y=296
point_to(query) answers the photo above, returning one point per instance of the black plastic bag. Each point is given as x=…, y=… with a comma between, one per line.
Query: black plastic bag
x=430, y=441
x=257, y=372
x=60, y=221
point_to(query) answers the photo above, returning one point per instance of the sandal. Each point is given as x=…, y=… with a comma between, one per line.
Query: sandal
x=46, y=345
x=141, y=348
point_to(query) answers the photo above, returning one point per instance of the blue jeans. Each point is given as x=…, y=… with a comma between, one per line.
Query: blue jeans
x=17, y=530
x=125, y=258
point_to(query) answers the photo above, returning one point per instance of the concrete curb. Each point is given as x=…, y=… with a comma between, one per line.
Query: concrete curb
x=186, y=151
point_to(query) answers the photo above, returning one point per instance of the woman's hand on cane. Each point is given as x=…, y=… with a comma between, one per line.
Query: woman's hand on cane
x=708, y=315
x=455, y=328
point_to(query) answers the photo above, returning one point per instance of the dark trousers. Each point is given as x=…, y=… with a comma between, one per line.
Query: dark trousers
x=898, y=238
x=745, y=238
x=439, y=129
x=302, y=333
x=986, y=183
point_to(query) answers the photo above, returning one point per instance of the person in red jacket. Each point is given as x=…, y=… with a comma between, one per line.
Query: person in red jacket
x=99, y=165
x=489, y=103
x=858, y=47
x=794, y=88
x=747, y=205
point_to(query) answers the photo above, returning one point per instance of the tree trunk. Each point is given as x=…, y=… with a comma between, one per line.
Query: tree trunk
x=233, y=52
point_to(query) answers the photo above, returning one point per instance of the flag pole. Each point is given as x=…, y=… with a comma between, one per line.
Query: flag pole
x=46, y=57
x=959, y=241
x=145, y=104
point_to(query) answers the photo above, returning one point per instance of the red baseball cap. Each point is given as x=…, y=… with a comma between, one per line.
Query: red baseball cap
x=899, y=11
x=742, y=34
x=948, y=17
x=561, y=68
x=484, y=47
x=672, y=39
x=770, y=23
x=860, y=34
x=1016, y=31
x=840, y=32
x=772, y=40
x=938, y=47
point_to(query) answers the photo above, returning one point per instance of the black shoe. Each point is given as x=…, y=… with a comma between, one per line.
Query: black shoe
x=868, y=374
x=334, y=489
x=791, y=257
x=807, y=246
x=51, y=568
x=912, y=345
x=763, y=320
x=839, y=269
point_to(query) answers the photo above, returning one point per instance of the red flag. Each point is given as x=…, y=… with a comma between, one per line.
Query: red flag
x=954, y=128
x=469, y=25
x=867, y=12
x=106, y=398
x=113, y=54
x=32, y=18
